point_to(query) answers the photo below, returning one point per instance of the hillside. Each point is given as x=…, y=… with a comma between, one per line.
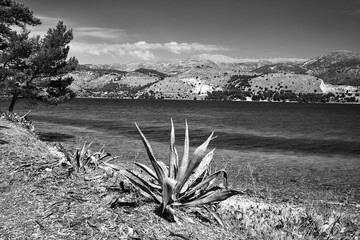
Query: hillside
x=107, y=82
x=337, y=68
x=283, y=81
x=294, y=68
x=338, y=73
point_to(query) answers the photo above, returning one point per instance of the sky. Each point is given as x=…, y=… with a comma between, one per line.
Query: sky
x=123, y=31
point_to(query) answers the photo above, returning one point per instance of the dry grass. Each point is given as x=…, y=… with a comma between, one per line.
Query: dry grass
x=41, y=199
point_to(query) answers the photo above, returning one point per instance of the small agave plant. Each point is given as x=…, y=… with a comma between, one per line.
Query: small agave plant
x=185, y=183
x=82, y=158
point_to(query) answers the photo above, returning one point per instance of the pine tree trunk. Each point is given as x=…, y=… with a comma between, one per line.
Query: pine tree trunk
x=12, y=104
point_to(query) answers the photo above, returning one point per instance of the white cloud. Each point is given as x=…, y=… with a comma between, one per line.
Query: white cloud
x=144, y=55
x=79, y=32
x=103, y=33
x=114, y=50
x=46, y=23
x=142, y=49
x=48, y=20
x=177, y=48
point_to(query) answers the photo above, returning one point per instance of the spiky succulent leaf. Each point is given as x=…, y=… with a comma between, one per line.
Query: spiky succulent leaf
x=78, y=159
x=176, y=167
x=203, y=183
x=204, y=164
x=141, y=184
x=96, y=158
x=153, y=187
x=163, y=168
x=193, y=164
x=167, y=191
x=185, y=160
x=84, y=150
x=113, y=166
x=65, y=152
x=103, y=155
x=159, y=172
x=214, y=197
x=204, y=193
x=169, y=213
x=147, y=170
x=173, y=155
x=215, y=215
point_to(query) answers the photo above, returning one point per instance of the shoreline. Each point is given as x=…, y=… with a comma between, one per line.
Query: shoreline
x=170, y=99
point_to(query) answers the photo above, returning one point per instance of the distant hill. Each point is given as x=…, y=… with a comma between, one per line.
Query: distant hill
x=338, y=68
x=336, y=72
x=152, y=73
x=294, y=68
x=101, y=82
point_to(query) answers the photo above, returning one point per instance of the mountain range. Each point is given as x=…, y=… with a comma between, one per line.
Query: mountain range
x=337, y=73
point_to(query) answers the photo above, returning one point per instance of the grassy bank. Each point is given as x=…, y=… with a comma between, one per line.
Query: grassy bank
x=41, y=198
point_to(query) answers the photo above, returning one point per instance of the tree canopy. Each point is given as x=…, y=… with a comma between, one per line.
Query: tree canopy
x=33, y=67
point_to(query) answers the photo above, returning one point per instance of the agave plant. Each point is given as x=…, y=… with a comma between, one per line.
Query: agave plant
x=185, y=183
x=82, y=158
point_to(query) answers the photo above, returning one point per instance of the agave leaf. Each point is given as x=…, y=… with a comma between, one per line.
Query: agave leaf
x=147, y=169
x=110, y=159
x=141, y=184
x=81, y=157
x=84, y=150
x=103, y=155
x=150, y=185
x=159, y=173
x=176, y=167
x=172, y=155
x=204, y=164
x=87, y=160
x=65, y=152
x=163, y=168
x=113, y=166
x=215, y=215
x=214, y=197
x=167, y=191
x=102, y=149
x=226, y=185
x=205, y=182
x=194, y=163
x=102, y=158
x=169, y=213
x=96, y=158
x=77, y=158
x=203, y=193
x=185, y=160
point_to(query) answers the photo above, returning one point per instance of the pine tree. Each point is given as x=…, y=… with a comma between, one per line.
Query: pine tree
x=32, y=67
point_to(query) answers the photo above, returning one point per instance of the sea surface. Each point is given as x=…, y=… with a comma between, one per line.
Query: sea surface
x=265, y=139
